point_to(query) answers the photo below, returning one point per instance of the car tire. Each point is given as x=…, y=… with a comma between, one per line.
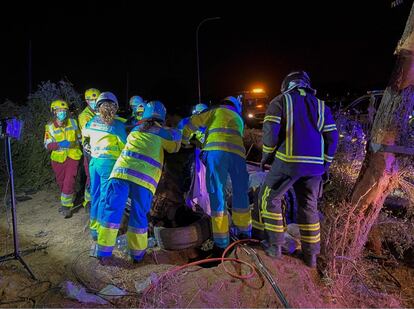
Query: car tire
x=180, y=238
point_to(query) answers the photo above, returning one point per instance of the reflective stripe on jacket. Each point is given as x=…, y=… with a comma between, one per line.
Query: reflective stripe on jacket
x=224, y=130
x=106, y=141
x=142, y=159
x=86, y=115
x=83, y=118
x=69, y=132
x=300, y=129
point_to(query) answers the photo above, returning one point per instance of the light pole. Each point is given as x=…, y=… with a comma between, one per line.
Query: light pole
x=198, y=60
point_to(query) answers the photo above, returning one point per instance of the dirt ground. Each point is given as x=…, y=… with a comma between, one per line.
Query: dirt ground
x=66, y=258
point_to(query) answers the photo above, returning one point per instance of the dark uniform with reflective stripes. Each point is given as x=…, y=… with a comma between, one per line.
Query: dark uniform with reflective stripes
x=300, y=131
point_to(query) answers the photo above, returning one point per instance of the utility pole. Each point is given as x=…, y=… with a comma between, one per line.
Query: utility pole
x=198, y=59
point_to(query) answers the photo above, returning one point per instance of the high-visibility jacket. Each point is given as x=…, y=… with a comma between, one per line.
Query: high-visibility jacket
x=142, y=158
x=300, y=130
x=84, y=117
x=224, y=129
x=69, y=132
x=106, y=141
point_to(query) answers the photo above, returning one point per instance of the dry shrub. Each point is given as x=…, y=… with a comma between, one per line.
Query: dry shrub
x=164, y=292
x=343, y=268
x=31, y=160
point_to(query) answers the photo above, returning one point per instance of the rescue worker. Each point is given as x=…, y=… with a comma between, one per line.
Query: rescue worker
x=136, y=175
x=91, y=95
x=62, y=138
x=106, y=136
x=299, y=132
x=136, y=104
x=223, y=154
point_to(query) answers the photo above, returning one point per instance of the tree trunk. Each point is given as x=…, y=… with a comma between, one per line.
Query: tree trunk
x=379, y=169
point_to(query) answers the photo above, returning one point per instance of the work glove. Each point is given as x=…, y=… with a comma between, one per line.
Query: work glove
x=195, y=142
x=265, y=159
x=64, y=144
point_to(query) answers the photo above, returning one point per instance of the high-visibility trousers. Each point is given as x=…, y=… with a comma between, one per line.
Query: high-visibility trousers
x=100, y=170
x=65, y=174
x=117, y=194
x=270, y=213
x=220, y=164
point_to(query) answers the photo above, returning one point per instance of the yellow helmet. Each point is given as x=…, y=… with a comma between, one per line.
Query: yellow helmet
x=92, y=94
x=58, y=104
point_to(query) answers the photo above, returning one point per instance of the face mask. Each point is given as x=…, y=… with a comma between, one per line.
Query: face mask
x=92, y=104
x=61, y=115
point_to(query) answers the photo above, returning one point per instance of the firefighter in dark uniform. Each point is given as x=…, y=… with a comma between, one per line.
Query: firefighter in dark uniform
x=299, y=133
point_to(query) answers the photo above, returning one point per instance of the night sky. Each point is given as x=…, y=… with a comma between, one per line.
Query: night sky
x=344, y=45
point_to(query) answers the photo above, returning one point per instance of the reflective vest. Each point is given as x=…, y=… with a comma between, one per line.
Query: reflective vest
x=300, y=129
x=223, y=130
x=142, y=158
x=69, y=132
x=83, y=118
x=106, y=141
x=86, y=115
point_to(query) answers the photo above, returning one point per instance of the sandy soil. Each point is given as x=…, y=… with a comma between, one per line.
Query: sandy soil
x=66, y=258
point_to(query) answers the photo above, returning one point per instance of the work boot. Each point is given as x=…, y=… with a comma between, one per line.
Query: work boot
x=274, y=251
x=310, y=260
x=66, y=212
x=216, y=252
x=61, y=208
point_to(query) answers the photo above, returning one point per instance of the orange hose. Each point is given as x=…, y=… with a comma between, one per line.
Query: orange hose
x=242, y=277
x=221, y=259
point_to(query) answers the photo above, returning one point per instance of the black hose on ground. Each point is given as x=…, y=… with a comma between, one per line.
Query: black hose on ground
x=265, y=272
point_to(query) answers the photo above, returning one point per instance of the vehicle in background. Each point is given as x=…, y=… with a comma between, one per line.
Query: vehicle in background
x=255, y=103
x=363, y=109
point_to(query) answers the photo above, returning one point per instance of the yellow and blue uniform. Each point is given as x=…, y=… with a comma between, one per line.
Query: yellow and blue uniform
x=84, y=117
x=136, y=174
x=299, y=132
x=223, y=154
x=107, y=142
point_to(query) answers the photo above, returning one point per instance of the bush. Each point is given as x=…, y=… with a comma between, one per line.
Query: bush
x=31, y=160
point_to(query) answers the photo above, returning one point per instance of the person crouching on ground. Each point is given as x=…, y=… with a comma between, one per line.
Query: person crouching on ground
x=62, y=138
x=136, y=175
x=106, y=136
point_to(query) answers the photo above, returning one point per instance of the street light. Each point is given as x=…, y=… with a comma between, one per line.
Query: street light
x=198, y=60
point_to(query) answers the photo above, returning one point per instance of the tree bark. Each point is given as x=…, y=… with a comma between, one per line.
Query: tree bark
x=379, y=169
